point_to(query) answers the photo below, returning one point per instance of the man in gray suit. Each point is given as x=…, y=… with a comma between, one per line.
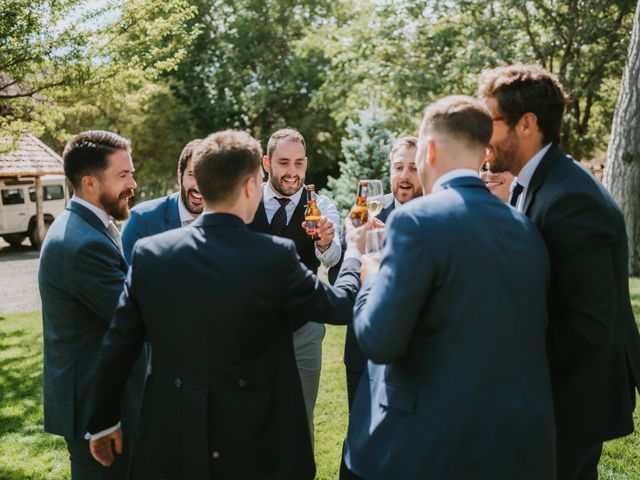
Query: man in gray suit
x=81, y=277
x=454, y=326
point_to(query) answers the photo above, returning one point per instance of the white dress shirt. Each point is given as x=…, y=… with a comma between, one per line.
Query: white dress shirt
x=331, y=255
x=525, y=176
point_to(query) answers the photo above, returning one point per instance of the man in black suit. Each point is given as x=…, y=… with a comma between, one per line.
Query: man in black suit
x=405, y=186
x=224, y=399
x=592, y=341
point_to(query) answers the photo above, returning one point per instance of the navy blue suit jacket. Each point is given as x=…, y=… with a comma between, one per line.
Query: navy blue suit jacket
x=219, y=304
x=149, y=218
x=593, y=342
x=81, y=277
x=454, y=327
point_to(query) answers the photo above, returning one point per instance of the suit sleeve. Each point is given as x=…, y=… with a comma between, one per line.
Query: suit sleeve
x=389, y=305
x=580, y=236
x=308, y=299
x=132, y=231
x=119, y=351
x=97, y=277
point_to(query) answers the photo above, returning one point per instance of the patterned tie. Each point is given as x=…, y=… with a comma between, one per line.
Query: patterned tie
x=279, y=220
x=115, y=234
x=517, y=190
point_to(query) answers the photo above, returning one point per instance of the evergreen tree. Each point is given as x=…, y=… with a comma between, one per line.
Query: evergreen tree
x=366, y=155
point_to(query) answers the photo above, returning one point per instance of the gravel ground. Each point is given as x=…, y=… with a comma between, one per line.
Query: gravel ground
x=18, y=278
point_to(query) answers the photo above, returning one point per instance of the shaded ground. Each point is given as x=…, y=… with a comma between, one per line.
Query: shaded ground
x=18, y=278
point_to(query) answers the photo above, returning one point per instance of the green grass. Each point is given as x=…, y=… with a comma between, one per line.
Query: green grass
x=26, y=452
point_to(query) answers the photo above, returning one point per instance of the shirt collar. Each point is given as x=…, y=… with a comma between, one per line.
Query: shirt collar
x=457, y=173
x=526, y=173
x=269, y=193
x=185, y=215
x=100, y=213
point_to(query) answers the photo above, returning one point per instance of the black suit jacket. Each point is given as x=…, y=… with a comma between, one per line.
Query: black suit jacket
x=593, y=342
x=219, y=304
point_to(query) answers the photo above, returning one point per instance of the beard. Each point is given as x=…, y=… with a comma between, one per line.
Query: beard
x=193, y=207
x=403, y=195
x=117, y=207
x=286, y=188
x=503, y=154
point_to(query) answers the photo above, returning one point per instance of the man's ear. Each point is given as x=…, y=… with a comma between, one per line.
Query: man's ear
x=431, y=151
x=89, y=184
x=179, y=177
x=249, y=187
x=527, y=125
x=266, y=163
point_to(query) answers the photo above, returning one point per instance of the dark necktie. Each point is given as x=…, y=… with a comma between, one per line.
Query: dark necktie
x=517, y=190
x=279, y=220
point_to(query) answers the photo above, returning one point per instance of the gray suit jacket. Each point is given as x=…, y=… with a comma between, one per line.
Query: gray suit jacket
x=81, y=277
x=454, y=327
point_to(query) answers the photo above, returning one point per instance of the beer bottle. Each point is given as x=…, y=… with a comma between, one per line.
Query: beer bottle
x=312, y=213
x=360, y=213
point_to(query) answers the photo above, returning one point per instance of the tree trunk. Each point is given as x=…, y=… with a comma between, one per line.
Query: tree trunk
x=622, y=172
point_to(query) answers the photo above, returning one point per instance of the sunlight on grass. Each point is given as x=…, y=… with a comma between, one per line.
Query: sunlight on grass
x=26, y=452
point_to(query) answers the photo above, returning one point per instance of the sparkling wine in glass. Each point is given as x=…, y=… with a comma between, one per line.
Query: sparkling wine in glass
x=375, y=195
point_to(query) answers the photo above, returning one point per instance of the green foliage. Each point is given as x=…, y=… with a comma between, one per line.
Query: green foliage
x=366, y=150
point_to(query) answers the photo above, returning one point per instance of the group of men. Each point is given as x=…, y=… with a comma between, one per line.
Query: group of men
x=490, y=342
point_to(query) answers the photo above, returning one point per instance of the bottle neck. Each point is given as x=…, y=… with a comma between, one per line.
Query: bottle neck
x=361, y=199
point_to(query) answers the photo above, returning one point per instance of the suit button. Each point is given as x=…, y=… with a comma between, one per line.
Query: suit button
x=177, y=382
x=215, y=454
x=242, y=383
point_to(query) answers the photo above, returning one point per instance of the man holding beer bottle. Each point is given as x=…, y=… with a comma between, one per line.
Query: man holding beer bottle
x=282, y=213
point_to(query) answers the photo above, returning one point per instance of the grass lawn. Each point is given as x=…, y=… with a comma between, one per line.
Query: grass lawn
x=26, y=452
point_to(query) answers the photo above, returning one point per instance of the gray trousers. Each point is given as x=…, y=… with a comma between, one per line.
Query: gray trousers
x=307, y=343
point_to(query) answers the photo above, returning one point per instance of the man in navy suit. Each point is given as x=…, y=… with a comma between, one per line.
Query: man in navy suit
x=453, y=325
x=405, y=186
x=166, y=213
x=224, y=399
x=81, y=277
x=593, y=342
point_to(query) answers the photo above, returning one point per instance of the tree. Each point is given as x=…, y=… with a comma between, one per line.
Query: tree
x=622, y=171
x=366, y=150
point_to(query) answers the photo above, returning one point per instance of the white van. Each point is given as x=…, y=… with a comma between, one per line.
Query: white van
x=18, y=206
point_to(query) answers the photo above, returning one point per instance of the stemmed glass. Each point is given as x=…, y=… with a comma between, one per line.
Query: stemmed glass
x=375, y=195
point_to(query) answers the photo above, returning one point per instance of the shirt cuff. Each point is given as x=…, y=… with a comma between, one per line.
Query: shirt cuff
x=352, y=252
x=331, y=256
x=103, y=433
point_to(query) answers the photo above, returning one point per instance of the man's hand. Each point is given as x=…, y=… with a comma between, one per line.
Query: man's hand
x=356, y=236
x=102, y=450
x=369, y=265
x=325, y=232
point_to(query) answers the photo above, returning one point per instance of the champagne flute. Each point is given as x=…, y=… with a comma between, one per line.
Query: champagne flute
x=374, y=240
x=375, y=199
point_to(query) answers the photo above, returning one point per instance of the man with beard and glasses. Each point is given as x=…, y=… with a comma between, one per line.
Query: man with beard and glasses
x=166, y=213
x=81, y=277
x=592, y=340
x=281, y=213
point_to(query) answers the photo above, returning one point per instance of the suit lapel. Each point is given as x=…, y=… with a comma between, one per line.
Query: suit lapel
x=172, y=212
x=538, y=176
x=89, y=217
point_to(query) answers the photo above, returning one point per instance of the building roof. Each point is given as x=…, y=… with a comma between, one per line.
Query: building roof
x=30, y=158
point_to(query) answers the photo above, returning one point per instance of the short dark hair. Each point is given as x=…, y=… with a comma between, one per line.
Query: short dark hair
x=460, y=116
x=521, y=89
x=284, y=135
x=87, y=152
x=186, y=154
x=222, y=161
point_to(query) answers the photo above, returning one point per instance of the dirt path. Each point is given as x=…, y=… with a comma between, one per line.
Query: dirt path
x=18, y=278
